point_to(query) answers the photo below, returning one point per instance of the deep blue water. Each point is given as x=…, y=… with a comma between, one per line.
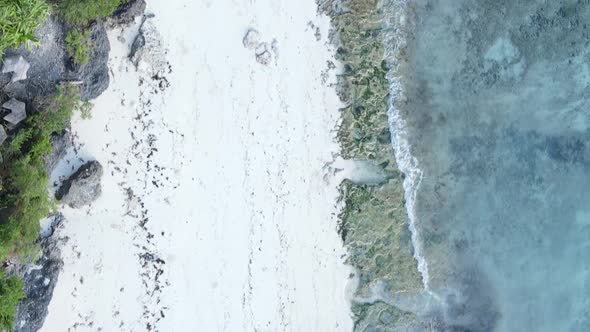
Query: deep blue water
x=497, y=111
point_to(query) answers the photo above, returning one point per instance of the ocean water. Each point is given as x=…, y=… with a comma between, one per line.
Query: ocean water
x=490, y=114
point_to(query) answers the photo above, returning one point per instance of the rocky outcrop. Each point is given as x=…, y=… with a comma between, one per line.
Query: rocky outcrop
x=83, y=187
x=39, y=280
x=127, y=13
x=60, y=144
x=50, y=64
x=94, y=76
x=46, y=61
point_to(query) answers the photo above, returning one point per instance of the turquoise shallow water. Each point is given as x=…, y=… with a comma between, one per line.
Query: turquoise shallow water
x=497, y=111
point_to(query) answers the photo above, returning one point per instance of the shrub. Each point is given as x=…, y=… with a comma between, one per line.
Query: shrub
x=18, y=21
x=24, y=199
x=83, y=11
x=78, y=45
x=86, y=110
x=11, y=292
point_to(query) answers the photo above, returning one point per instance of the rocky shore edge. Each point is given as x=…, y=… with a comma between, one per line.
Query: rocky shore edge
x=51, y=65
x=374, y=223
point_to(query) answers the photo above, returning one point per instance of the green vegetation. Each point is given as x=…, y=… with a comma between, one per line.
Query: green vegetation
x=86, y=110
x=11, y=292
x=78, y=45
x=82, y=12
x=18, y=21
x=24, y=199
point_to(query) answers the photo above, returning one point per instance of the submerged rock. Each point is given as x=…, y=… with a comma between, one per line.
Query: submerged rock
x=83, y=187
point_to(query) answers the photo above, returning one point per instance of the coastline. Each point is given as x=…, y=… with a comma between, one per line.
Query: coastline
x=181, y=180
x=379, y=235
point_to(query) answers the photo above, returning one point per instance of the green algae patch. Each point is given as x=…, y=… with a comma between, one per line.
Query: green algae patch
x=380, y=317
x=375, y=231
x=374, y=221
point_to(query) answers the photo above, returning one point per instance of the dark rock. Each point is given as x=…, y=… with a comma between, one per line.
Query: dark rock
x=47, y=65
x=39, y=282
x=61, y=144
x=136, y=46
x=94, y=75
x=384, y=136
x=49, y=226
x=50, y=64
x=126, y=13
x=83, y=187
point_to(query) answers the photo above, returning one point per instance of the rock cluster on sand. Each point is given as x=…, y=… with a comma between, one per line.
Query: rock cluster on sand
x=83, y=187
x=32, y=73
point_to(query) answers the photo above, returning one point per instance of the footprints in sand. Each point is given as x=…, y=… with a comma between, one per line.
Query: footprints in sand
x=264, y=51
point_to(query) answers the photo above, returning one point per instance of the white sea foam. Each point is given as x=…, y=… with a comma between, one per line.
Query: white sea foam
x=396, y=24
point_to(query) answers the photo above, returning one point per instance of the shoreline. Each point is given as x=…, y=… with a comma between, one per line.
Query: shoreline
x=406, y=162
x=173, y=169
x=375, y=225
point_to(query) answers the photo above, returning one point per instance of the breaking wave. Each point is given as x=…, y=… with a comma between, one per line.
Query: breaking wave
x=396, y=24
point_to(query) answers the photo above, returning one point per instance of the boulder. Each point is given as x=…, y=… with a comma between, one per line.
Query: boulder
x=83, y=187
x=17, y=112
x=95, y=74
x=18, y=66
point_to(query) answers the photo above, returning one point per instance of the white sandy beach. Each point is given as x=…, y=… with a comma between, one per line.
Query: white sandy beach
x=217, y=213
